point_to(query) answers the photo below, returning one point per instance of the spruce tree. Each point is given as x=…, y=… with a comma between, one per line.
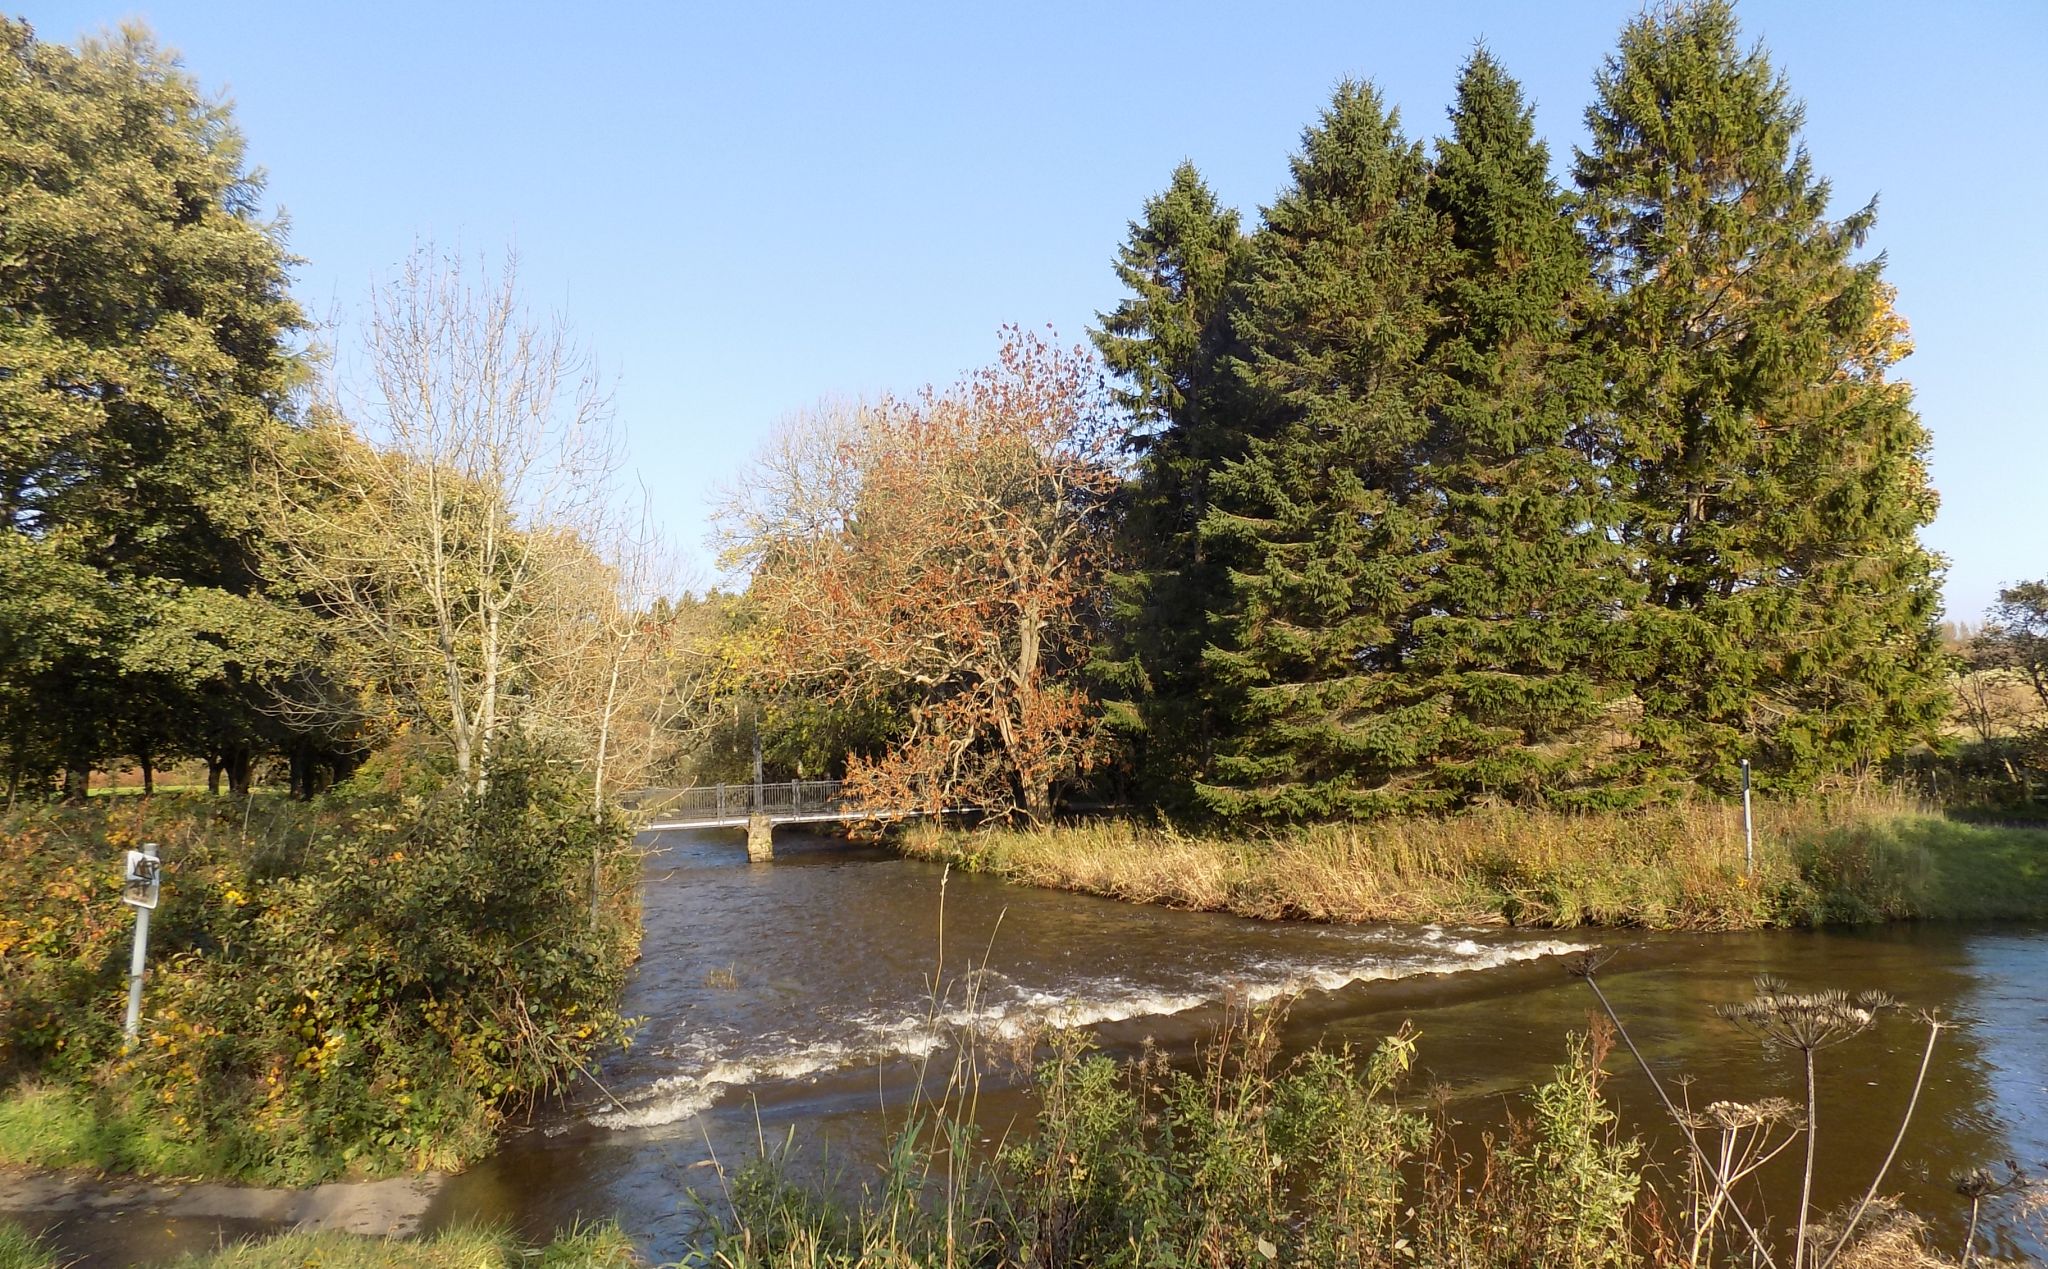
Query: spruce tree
x=1166, y=342
x=1332, y=530
x=1530, y=584
x=1772, y=478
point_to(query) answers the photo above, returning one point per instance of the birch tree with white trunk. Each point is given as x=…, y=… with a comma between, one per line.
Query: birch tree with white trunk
x=436, y=538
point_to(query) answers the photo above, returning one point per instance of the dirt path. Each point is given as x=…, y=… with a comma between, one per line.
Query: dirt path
x=117, y=1221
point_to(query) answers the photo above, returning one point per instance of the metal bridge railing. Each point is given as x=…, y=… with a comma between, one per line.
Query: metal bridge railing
x=785, y=799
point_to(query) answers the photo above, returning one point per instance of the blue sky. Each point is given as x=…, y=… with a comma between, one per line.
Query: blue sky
x=743, y=208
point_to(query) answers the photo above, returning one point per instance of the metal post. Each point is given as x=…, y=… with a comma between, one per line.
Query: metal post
x=132, y=1026
x=1748, y=827
x=757, y=762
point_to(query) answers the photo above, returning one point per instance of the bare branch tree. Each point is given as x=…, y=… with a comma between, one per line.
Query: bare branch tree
x=437, y=539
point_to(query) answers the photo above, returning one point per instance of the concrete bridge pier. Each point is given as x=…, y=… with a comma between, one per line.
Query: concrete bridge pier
x=760, y=839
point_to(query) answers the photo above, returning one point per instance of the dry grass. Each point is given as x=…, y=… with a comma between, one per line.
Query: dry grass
x=1868, y=857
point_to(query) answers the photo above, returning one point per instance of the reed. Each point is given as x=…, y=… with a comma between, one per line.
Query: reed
x=1868, y=857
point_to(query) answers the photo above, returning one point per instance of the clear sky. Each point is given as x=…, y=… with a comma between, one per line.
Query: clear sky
x=745, y=207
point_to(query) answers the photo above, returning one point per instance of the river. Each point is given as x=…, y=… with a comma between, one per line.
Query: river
x=791, y=1001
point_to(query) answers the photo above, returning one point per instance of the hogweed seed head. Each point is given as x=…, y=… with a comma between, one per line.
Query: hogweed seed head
x=1588, y=963
x=1771, y=1110
x=1982, y=1183
x=1805, y=1021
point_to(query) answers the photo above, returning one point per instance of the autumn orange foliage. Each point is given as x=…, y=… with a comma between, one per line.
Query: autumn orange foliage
x=942, y=552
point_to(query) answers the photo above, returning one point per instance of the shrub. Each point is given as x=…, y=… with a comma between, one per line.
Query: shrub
x=1242, y=1161
x=362, y=984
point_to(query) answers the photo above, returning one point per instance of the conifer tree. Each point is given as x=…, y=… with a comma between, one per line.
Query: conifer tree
x=1772, y=477
x=1529, y=582
x=1166, y=342
x=1332, y=531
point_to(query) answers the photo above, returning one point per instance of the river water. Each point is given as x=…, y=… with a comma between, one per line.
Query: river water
x=792, y=1002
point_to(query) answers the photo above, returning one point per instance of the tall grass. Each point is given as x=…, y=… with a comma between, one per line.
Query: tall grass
x=1864, y=858
x=1241, y=1161
x=1328, y=1161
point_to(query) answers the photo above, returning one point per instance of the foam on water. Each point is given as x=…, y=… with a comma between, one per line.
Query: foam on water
x=1002, y=1010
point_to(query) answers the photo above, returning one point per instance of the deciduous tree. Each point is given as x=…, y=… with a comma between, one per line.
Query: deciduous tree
x=146, y=349
x=440, y=541
x=945, y=548
x=2016, y=636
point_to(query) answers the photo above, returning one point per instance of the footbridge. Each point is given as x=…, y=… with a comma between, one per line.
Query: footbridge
x=756, y=808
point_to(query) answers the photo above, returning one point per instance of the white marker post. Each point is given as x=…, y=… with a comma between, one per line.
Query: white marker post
x=141, y=884
x=1748, y=830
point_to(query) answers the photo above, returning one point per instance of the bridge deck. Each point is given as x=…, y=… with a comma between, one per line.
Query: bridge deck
x=736, y=805
x=741, y=821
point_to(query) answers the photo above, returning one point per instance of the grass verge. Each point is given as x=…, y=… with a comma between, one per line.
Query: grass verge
x=597, y=1247
x=1678, y=867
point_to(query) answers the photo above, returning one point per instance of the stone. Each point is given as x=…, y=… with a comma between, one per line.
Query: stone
x=760, y=839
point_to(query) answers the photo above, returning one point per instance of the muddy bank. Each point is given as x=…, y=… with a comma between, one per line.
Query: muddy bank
x=120, y=1221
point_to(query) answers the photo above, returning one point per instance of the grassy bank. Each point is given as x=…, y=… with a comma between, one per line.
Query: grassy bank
x=359, y=986
x=1676, y=867
x=598, y=1248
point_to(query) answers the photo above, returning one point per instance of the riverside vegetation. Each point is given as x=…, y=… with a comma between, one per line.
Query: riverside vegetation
x=1331, y=1159
x=425, y=614
x=600, y=1248
x=358, y=985
x=1438, y=537
x=1677, y=866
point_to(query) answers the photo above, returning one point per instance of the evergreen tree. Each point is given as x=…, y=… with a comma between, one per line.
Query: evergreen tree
x=1166, y=342
x=1332, y=527
x=1772, y=478
x=1530, y=586
x=144, y=350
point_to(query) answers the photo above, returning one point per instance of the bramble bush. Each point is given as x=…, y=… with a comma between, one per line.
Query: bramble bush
x=358, y=985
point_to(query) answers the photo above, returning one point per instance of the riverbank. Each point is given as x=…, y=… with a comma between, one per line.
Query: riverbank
x=602, y=1247
x=352, y=988
x=1679, y=867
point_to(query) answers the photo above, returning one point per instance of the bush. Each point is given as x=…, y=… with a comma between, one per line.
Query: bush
x=359, y=985
x=1242, y=1161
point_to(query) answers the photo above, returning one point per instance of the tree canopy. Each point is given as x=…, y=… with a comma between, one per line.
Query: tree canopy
x=147, y=343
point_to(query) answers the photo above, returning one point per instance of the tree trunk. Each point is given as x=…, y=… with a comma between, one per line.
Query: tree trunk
x=1038, y=800
x=487, y=705
x=76, y=781
x=1033, y=784
x=241, y=764
x=148, y=775
x=214, y=766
